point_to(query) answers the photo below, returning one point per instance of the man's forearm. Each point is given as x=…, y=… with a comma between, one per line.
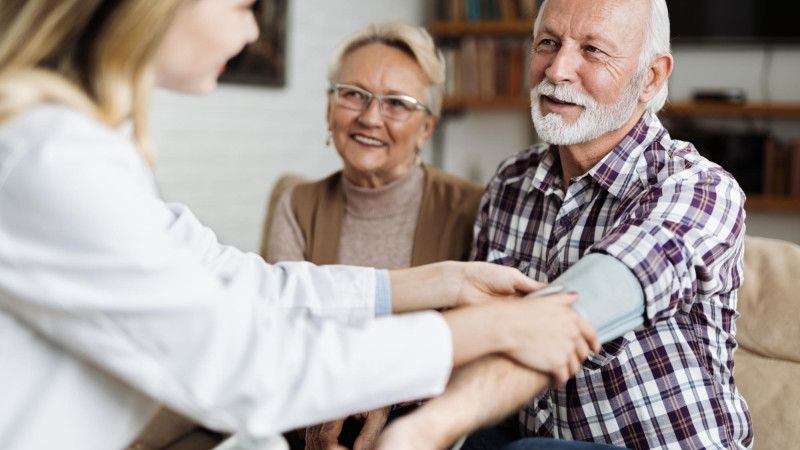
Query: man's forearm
x=479, y=394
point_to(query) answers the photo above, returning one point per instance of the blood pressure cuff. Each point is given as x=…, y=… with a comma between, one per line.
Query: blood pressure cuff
x=609, y=295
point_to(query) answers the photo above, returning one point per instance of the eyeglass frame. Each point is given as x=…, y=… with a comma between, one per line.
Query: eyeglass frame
x=418, y=106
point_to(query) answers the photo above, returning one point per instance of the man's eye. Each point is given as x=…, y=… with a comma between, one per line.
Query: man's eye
x=592, y=49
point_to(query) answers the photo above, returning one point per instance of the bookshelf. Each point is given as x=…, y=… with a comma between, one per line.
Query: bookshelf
x=486, y=44
x=516, y=27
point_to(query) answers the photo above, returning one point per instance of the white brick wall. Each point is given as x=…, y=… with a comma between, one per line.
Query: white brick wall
x=221, y=154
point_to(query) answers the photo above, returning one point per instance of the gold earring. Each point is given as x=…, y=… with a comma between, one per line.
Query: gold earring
x=328, y=140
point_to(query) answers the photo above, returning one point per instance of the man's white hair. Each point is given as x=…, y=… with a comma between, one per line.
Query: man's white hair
x=656, y=43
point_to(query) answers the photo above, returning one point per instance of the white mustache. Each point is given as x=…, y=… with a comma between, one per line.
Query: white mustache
x=563, y=93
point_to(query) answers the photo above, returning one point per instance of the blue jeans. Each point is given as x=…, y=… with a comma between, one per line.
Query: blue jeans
x=506, y=438
x=555, y=444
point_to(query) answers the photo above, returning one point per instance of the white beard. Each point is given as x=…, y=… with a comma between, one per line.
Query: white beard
x=594, y=121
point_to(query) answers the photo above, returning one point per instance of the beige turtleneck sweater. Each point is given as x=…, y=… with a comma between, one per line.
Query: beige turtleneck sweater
x=377, y=229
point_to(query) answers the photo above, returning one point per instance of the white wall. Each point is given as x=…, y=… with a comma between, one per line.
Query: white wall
x=221, y=154
x=473, y=143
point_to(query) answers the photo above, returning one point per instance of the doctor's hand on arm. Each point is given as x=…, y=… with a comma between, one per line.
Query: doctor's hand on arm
x=543, y=334
x=451, y=284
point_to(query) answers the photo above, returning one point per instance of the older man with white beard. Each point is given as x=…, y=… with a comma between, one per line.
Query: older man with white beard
x=608, y=191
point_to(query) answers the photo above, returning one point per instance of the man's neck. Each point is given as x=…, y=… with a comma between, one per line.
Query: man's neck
x=578, y=159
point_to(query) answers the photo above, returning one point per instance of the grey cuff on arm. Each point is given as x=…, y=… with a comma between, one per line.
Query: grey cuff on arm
x=383, y=293
x=609, y=294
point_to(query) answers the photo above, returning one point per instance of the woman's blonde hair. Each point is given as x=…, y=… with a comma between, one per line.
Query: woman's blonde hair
x=94, y=55
x=413, y=40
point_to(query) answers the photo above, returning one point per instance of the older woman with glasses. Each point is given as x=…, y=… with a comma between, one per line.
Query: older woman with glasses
x=384, y=209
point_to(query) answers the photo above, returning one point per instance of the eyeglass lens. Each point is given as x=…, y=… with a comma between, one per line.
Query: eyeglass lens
x=392, y=106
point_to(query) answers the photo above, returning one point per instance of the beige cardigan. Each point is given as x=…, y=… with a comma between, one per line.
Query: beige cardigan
x=443, y=232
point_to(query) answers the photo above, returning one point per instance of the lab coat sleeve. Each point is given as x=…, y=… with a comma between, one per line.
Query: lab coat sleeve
x=93, y=261
x=342, y=292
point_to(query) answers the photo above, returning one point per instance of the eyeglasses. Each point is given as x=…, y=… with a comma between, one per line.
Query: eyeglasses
x=397, y=107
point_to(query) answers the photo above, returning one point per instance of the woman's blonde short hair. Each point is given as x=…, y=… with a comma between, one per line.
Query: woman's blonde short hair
x=413, y=40
x=94, y=55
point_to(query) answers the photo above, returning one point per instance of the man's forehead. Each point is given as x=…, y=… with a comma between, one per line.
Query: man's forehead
x=612, y=20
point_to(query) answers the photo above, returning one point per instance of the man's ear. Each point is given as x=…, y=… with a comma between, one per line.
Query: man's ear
x=656, y=76
x=427, y=130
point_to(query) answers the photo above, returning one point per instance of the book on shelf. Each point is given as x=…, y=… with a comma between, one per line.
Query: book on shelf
x=777, y=176
x=486, y=10
x=486, y=67
x=794, y=169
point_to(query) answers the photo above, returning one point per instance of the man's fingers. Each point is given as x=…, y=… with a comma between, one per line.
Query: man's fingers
x=372, y=429
x=329, y=433
x=311, y=437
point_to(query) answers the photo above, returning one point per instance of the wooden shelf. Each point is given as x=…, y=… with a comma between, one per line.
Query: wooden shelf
x=710, y=109
x=517, y=27
x=756, y=202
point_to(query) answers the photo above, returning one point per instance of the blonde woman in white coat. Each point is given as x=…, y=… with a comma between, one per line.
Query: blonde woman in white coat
x=113, y=302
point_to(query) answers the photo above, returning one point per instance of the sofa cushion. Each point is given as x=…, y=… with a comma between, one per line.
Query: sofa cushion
x=769, y=299
x=768, y=386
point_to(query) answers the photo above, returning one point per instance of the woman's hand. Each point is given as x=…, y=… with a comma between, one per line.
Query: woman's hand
x=543, y=333
x=450, y=284
x=483, y=282
x=552, y=338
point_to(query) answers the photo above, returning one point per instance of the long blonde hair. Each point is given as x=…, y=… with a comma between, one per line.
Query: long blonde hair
x=93, y=55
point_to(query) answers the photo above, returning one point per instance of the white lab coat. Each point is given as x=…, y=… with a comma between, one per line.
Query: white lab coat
x=112, y=302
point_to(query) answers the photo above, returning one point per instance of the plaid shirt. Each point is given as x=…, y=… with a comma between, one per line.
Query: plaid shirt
x=676, y=220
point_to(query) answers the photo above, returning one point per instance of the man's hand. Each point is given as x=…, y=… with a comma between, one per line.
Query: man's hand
x=374, y=421
x=479, y=394
x=404, y=435
x=326, y=435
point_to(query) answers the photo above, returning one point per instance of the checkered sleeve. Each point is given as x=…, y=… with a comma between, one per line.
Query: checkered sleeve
x=682, y=238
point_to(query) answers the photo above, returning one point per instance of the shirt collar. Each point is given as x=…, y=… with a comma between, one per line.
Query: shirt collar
x=617, y=171
x=547, y=175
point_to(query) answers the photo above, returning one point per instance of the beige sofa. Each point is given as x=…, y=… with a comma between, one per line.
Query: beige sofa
x=767, y=370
